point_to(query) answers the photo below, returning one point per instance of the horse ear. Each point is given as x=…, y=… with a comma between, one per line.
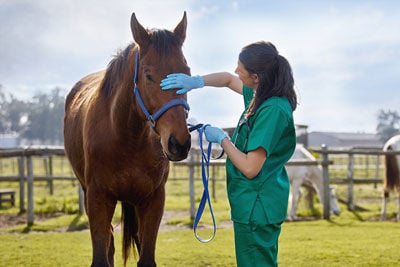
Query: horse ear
x=140, y=35
x=180, y=29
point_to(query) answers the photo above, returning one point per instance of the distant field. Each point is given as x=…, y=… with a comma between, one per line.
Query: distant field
x=65, y=197
x=351, y=239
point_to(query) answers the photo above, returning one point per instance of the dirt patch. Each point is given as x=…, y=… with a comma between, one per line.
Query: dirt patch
x=10, y=220
x=7, y=220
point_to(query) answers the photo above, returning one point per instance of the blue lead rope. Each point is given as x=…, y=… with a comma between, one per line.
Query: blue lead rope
x=205, y=199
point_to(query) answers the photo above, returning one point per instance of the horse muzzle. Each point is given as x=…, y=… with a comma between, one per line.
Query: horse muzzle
x=176, y=150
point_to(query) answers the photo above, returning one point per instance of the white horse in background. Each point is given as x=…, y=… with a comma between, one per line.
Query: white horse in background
x=392, y=174
x=310, y=177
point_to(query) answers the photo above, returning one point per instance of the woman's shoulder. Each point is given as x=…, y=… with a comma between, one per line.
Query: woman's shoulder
x=278, y=107
x=277, y=101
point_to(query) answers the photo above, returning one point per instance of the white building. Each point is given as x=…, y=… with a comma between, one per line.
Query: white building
x=9, y=140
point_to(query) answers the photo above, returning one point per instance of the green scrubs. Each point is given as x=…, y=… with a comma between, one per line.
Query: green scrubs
x=259, y=205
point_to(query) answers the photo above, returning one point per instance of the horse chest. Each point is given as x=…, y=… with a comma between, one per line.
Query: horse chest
x=135, y=179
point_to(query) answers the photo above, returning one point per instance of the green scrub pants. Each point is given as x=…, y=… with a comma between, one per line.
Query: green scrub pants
x=256, y=243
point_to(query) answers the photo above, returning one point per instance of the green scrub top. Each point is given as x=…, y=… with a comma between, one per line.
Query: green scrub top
x=272, y=128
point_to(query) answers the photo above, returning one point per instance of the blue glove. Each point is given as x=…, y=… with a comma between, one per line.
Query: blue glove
x=215, y=135
x=182, y=81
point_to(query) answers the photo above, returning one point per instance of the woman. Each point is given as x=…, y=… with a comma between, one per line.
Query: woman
x=263, y=141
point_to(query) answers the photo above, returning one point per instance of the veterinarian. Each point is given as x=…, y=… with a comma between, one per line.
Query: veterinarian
x=263, y=141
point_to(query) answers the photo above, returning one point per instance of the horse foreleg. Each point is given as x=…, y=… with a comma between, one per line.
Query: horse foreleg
x=100, y=211
x=398, y=205
x=309, y=197
x=150, y=216
x=384, y=205
x=296, y=195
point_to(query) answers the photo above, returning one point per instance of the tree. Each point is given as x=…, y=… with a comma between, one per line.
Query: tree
x=45, y=120
x=37, y=120
x=388, y=124
x=12, y=112
x=3, y=111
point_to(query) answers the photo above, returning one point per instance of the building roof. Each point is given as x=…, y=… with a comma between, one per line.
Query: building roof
x=343, y=139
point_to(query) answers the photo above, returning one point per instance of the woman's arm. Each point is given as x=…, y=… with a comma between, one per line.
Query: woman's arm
x=249, y=164
x=185, y=83
x=224, y=79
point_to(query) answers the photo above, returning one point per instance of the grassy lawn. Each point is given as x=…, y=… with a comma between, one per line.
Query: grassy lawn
x=351, y=239
x=343, y=241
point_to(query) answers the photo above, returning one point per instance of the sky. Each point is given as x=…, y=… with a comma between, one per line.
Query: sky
x=344, y=54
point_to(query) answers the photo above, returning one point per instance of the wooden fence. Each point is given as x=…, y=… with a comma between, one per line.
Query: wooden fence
x=350, y=179
x=26, y=173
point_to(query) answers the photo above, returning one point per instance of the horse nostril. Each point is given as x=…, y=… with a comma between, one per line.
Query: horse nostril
x=178, y=150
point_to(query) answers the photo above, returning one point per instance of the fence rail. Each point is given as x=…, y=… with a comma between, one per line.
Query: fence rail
x=26, y=172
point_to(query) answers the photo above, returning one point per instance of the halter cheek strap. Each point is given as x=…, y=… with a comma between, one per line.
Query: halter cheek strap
x=152, y=118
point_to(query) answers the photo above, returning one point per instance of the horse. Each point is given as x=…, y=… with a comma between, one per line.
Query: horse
x=120, y=132
x=311, y=178
x=392, y=174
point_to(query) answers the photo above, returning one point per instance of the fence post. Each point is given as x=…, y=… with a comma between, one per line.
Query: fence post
x=350, y=184
x=191, y=185
x=377, y=164
x=325, y=174
x=30, y=191
x=213, y=180
x=50, y=175
x=21, y=170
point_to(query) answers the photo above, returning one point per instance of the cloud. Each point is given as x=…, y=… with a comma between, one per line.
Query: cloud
x=343, y=53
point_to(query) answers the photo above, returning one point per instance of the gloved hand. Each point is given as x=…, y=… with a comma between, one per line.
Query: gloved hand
x=182, y=81
x=215, y=135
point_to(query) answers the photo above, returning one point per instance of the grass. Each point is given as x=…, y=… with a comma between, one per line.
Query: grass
x=351, y=239
x=343, y=241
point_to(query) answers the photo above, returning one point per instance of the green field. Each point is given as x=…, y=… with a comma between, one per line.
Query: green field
x=354, y=238
x=344, y=241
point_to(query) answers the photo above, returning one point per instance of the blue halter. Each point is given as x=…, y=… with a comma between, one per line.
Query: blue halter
x=154, y=117
x=205, y=159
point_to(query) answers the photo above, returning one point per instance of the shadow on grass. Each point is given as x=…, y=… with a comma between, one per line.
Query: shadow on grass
x=77, y=224
x=27, y=228
x=60, y=223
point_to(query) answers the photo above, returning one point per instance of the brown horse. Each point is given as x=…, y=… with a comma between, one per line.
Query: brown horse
x=392, y=174
x=119, y=152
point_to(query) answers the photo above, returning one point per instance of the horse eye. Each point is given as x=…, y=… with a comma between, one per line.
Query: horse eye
x=148, y=77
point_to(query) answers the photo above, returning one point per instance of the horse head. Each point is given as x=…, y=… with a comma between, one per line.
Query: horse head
x=160, y=53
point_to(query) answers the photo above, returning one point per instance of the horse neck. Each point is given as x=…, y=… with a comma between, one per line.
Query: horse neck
x=125, y=115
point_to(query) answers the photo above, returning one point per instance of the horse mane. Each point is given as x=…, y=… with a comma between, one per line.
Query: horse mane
x=115, y=70
x=163, y=41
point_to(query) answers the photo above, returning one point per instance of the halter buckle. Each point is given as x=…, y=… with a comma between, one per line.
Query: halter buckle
x=152, y=122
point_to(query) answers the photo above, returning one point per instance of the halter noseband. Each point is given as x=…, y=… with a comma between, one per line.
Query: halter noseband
x=154, y=117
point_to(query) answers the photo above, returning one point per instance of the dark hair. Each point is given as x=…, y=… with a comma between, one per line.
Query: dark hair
x=274, y=74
